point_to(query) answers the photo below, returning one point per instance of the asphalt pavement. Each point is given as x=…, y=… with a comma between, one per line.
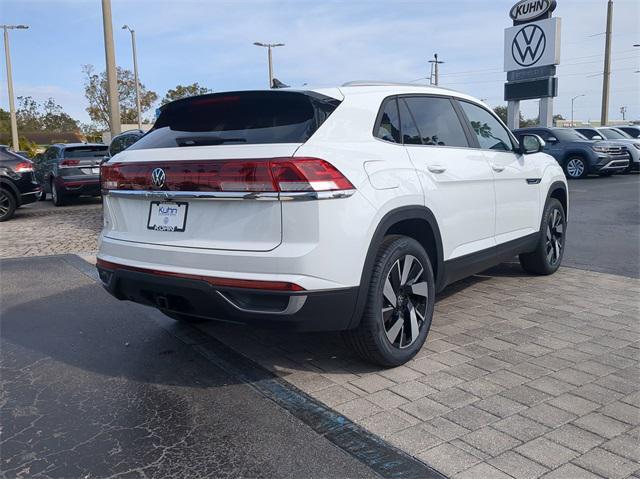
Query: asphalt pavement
x=92, y=387
x=604, y=225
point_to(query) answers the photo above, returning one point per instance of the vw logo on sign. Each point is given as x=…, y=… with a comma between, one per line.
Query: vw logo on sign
x=528, y=45
x=158, y=177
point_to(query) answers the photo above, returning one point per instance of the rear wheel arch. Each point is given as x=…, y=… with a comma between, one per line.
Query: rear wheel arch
x=417, y=222
x=11, y=189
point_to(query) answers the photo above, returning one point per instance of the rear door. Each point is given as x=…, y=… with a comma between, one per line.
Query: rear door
x=517, y=177
x=457, y=179
x=191, y=181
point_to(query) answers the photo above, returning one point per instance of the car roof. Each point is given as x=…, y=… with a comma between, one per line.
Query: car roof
x=73, y=145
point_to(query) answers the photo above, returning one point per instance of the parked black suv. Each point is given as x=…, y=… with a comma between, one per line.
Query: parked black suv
x=68, y=170
x=578, y=155
x=123, y=141
x=18, y=185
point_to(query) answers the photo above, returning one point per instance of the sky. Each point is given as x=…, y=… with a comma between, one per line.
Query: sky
x=326, y=43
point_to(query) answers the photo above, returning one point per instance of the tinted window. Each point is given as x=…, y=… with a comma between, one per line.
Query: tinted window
x=85, y=151
x=389, y=123
x=410, y=133
x=437, y=121
x=489, y=131
x=611, y=134
x=239, y=118
x=632, y=132
x=123, y=142
x=567, y=134
x=589, y=133
x=51, y=153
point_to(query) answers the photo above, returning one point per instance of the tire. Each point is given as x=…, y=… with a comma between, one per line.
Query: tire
x=576, y=167
x=391, y=333
x=7, y=205
x=547, y=256
x=57, y=197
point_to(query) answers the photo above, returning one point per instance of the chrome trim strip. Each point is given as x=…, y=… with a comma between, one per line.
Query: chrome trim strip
x=615, y=165
x=227, y=195
x=293, y=306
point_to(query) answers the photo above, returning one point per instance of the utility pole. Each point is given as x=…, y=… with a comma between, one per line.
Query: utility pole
x=269, y=46
x=623, y=111
x=572, y=100
x=435, y=62
x=112, y=73
x=135, y=73
x=15, y=144
x=604, y=115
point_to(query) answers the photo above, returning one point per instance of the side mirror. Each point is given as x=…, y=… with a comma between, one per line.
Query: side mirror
x=552, y=139
x=597, y=137
x=531, y=144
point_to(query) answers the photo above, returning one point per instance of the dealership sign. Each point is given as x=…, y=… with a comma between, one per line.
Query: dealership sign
x=533, y=44
x=528, y=10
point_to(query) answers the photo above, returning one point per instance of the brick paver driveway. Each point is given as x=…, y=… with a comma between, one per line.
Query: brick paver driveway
x=521, y=377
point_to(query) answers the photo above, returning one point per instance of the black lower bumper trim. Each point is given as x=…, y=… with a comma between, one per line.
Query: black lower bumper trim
x=330, y=310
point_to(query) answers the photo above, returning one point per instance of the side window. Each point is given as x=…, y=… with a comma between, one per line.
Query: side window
x=52, y=153
x=389, y=123
x=117, y=145
x=588, y=133
x=437, y=121
x=491, y=134
x=410, y=133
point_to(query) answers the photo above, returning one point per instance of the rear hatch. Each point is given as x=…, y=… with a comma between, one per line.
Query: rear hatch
x=83, y=160
x=203, y=176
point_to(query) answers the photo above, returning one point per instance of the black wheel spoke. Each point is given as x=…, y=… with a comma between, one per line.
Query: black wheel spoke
x=405, y=296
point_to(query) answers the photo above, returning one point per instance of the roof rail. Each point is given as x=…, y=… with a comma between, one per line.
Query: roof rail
x=383, y=83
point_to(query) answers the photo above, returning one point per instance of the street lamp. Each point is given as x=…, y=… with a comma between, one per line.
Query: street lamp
x=572, y=100
x=12, y=107
x=269, y=46
x=135, y=72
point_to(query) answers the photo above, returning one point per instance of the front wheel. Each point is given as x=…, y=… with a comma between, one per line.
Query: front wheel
x=547, y=256
x=400, y=302
x=576, y=167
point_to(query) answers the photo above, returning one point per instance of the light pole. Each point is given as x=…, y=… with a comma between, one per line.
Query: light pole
x=269, y=46
x=12, y=107
x=135, y=72
x=572, y=100
x=112, y=72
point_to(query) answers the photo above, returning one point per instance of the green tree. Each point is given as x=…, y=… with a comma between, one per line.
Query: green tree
x=96, y=92
x=181, y=91
x=48, y=116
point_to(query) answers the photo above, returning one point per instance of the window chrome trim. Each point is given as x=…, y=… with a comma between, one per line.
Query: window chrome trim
x=232, y=195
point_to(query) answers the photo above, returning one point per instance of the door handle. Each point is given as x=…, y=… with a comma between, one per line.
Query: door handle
x=436, y=169
x=497, y=168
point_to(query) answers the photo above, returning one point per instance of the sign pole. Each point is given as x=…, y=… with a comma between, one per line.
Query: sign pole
x=513, y=114
x=545, y=112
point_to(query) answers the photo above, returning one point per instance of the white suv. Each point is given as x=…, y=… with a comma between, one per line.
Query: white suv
x=332, y=209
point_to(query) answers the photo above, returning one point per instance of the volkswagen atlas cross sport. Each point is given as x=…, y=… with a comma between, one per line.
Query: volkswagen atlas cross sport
x=332, y=209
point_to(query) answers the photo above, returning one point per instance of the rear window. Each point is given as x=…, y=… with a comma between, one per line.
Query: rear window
x=239, y=118
x=85, y=151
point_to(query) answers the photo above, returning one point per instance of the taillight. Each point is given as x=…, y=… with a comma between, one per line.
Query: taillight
x=260, y=175
x=23, y=167
x=69, y=163
x=307, y=174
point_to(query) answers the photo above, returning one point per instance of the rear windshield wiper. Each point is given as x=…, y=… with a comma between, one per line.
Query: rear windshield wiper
x=207, y=140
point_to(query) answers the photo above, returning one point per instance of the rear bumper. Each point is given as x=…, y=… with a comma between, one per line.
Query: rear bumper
x=78, y=185
x=328, y=310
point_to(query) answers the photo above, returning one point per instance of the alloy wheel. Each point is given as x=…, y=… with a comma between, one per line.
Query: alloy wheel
x=554, y=238
x=404, y=303
x=575, y=168
x=5, y=205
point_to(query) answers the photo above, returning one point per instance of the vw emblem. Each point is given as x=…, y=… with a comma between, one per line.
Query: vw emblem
x=528, y=45
x=158, y=177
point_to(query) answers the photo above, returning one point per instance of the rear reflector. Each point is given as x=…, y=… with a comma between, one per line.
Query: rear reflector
x=213, y=281
x=251, y=175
